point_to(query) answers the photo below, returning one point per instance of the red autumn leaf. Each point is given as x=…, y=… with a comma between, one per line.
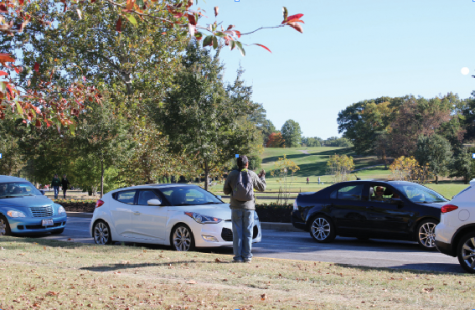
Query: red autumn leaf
x=191, y=19
x=263, y=47
x=3, y=73
x=230, y=27
x=296, y=27
x=38, y=123
x=21, y=2
x=6, y=58
x=296, y=16
x=295, y=20
x=130, y=4
x=238, y=33
x=216, y=11
x=118, y=26
x=190, y=3
x=3, y=8
x=92, y=1
x=37, y=67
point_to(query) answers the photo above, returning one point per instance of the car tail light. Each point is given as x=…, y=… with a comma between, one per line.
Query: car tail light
x=448, y=208
x=99, y=203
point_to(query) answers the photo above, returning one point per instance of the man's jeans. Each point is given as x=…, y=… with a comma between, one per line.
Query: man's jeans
x=56, y=191
x=243, y=223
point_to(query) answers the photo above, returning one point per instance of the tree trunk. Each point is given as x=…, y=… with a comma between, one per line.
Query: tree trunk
x=102, y=177
x=436, y=179
x=206, y=174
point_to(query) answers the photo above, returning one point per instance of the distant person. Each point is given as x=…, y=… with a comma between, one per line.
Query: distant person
x=378, y=194
x=307, y=180
x=3, y=189
x=55, y=184
x=241, y=184
x=64, y=185
x=318, y=180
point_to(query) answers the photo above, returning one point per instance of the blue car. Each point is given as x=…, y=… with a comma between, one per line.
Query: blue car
x=25, y=210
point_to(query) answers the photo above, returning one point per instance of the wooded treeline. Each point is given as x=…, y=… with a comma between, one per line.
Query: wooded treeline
x=439, y=132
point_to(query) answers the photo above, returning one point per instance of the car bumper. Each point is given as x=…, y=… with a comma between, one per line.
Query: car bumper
x=444, y=248
x=443, y=238
x=32, y=225
x=211, y=235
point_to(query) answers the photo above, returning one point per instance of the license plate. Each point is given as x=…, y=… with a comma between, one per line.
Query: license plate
x=48, y=222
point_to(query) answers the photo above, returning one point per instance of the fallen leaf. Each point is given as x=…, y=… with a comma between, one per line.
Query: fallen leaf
x=263, y=297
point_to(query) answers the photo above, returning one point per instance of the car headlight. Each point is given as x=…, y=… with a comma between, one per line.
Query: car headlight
x=203, y=219
x=13, y=213
x=61, y=210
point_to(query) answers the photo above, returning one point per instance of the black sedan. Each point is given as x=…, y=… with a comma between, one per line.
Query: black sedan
x=370, y=209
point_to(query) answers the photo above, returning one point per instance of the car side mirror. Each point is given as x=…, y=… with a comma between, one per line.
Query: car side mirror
x=42, y=192
x=154, y=202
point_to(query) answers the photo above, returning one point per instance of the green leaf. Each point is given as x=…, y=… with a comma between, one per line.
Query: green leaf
x=72, y=128
x=215, y=42
x=20, y=109
x=132, y=19
x=239, y=46
x=207, y=41
x=140, y=3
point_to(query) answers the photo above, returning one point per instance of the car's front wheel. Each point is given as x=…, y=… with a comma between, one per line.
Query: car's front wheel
x=102, y=233
x=322, y=229
x=4, y=226
x=426, y=234
x=182, y=238
x=466, y=252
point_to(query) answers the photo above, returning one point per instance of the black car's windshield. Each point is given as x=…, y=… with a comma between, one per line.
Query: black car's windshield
x=189, y=195
x=16, y=189
x=419, y=193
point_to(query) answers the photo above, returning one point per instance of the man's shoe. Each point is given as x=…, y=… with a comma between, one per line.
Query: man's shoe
x=237, y=260
x=247, y=260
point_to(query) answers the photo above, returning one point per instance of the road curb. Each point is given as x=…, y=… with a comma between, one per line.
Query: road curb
x=264, y=225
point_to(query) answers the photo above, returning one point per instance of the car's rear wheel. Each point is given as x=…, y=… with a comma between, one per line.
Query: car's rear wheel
x=426, y=234
x=182, y=238
x=102, y=233
x=57, y=231
x=322, y=229
x=466, y=252
x=4, y=226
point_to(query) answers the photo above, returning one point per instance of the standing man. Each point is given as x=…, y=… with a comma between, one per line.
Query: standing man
x=64, y=185
x=241, y=184
x=55, y=184
x=307, y=180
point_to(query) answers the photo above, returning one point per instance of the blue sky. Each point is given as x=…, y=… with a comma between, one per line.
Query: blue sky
x=349, y=51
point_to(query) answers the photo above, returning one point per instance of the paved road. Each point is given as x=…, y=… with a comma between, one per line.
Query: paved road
x=299, y=245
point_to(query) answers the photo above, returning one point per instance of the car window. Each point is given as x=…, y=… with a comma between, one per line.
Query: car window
x=146, y=195
x=126, y=197
x=352, y=192
x=418, y=193
x=382, y=193
x=15, y=189
x=189, y=195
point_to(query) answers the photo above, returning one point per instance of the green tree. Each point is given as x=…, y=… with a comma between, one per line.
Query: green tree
x=203, y=118
x=291, y=133
x=436, y=152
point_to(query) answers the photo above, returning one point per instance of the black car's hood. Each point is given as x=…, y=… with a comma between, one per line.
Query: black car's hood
x=26, y=201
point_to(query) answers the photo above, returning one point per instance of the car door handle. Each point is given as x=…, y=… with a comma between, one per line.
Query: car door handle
x=136, y=213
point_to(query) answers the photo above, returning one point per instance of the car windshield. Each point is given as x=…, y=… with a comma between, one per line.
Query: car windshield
x=189, y=195
x=15, y=189
x=419, y=193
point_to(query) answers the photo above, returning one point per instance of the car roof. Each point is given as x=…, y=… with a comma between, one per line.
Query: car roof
x=8, y=178
x=161, y=185
x=381, y=181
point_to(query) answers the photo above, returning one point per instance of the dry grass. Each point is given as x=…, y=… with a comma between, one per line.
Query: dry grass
x=47, y=274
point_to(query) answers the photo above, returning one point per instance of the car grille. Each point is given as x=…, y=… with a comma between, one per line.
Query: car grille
x=227, y=234
x=43, y=211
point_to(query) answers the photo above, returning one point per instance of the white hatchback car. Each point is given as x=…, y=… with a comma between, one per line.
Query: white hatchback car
x=455, y=234
x=183, y=216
